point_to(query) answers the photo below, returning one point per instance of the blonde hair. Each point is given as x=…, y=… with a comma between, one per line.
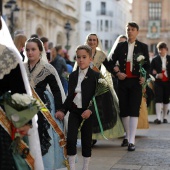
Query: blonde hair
x=19, y=41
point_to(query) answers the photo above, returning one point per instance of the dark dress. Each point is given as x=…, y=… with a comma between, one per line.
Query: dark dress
x=13, y=82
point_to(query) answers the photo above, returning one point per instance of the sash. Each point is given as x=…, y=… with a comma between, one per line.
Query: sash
x=7, y=125
x=46, y=113
x=128, y=72
x=164, y=76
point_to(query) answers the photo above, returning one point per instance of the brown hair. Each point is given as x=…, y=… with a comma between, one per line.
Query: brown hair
x=44, y=39
x=161, y=45
x=58, y=47
x=87, y=48
x=133, y=24
x=37, y=41
x=19, y=41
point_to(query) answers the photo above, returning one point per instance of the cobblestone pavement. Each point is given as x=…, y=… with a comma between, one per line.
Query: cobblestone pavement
x=152, y=151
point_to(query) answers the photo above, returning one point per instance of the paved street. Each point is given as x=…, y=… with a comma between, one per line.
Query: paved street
x=152, y=151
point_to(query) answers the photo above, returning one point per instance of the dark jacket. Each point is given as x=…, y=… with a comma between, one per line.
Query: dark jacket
x=156, y=64
x=88, y=87
x=120, y=55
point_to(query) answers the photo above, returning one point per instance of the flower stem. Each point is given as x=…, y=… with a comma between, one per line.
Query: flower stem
x=81, y=125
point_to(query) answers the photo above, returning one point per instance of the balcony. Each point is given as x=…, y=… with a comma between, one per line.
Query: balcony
x=104, y=13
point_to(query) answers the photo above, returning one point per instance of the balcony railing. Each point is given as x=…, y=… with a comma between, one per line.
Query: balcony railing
x=105, y=13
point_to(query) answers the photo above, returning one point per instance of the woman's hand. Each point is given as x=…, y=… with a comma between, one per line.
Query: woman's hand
x=86, y=114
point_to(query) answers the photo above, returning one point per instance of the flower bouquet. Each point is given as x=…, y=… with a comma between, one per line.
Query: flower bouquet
x=20, y=108
x=141, y=60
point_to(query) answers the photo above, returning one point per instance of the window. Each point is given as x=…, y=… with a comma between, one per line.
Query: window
x=155, y=10
x=88, y=26
x=88, y=6
x=106, y=45
x=103, y=8
x=106, y=25
x=101, y=25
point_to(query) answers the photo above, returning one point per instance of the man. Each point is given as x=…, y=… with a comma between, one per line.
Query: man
x=129, y=80
x=160, y=69
x=45, y=43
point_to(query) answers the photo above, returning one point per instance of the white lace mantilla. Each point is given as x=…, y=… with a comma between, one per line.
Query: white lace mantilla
x=41, y=71
x=8, y=61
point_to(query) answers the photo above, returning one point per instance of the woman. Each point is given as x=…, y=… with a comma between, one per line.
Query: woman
x=13, y=78
x=43, y=76
x=98, y=58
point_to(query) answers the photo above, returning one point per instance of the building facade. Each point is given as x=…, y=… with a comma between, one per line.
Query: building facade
x=47, y=18
x=106, y=18
x=153, y=19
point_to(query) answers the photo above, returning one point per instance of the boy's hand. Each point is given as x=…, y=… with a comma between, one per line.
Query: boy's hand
x=116, y=69
x=59, y=115
x=86, y=114
x=141, y=80
x=121, y=76
x=23, y=130
x=159, y=76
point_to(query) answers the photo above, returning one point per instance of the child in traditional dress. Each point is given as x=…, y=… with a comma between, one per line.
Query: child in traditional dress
x=81, y=89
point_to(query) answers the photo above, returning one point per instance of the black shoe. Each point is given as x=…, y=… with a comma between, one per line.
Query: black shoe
x=124, y=143
x=131, y=147
x=156, y=121
x=94, y=141
x=165, y=121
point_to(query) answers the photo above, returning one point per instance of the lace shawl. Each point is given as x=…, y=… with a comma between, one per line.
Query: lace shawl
x=8, y=61
x=41, y=71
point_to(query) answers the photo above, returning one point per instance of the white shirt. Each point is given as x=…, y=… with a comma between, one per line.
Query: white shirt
x=130, y=54
x=78, y=98
x=164, y=65
x=163, y=62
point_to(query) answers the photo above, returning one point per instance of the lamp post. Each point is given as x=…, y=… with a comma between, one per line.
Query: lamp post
x=12, y=5
x=68, y=29
x=1, y=8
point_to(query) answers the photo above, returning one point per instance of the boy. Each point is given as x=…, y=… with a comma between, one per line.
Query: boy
x=82, y=85
x=129, y=80
x=160, y=69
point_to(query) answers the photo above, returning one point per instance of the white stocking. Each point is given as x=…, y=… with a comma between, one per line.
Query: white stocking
x=133, y=127
x=125, y=121
x=71, y=160
x=158, y=110
x=86, y=161
x=165, y=110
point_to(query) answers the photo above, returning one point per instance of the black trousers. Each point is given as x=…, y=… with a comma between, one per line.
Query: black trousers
x=162, y=91
x=74, y=122
x=130, y=96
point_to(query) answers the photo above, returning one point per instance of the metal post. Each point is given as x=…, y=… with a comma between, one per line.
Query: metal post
x=1, y=12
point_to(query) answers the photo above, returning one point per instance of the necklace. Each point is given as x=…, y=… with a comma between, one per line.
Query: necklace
x=94, y=54
x=32, y=69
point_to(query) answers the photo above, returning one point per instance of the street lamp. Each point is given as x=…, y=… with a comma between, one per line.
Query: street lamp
x=68, y=29
x=11, y=4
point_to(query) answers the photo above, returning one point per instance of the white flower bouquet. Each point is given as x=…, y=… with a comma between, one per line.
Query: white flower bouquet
x=20, y=108
x=141, y=60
